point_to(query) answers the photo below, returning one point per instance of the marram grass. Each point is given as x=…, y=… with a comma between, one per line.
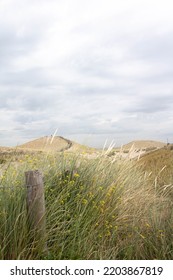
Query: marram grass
x=95, y=209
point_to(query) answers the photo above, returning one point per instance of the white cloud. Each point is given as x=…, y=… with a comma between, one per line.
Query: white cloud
x=101, y=68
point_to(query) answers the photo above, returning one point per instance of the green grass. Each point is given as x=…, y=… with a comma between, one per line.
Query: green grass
x=95, y=209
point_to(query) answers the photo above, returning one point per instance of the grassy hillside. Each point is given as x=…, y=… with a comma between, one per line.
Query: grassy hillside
x=95, y=209
x=159, y=164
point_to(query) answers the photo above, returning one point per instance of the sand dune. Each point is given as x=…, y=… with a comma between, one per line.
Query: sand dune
x=59, y=144
x=143, y=144
x=46, y=143
x=55, y=144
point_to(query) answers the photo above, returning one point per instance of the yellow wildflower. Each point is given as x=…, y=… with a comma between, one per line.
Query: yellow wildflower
x=85, y=201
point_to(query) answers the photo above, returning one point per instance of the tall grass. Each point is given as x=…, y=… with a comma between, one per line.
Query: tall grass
x=95, y=209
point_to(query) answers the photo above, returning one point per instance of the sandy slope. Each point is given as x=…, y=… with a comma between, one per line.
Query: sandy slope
x=48, y=143
x=143, y=144
x=55, y=144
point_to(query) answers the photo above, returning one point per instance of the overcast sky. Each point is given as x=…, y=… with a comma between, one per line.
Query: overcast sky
x=92, y=69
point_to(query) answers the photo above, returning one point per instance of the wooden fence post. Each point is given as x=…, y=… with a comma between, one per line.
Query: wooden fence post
x=36, y=205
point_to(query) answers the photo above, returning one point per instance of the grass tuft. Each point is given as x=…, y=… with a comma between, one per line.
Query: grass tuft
x=99, y=208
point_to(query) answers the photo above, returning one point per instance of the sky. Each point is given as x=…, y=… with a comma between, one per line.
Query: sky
x=93, y=71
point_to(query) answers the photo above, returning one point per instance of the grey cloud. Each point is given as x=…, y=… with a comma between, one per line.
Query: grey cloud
x=29, y=117
x=90, y=63
x=30, y=99
x=155, y=51
x=13, y=45
x=149, y=104
x=156, y=48
x=92, y=81
x=33, y=77
x=90, y=125
x=162, y=78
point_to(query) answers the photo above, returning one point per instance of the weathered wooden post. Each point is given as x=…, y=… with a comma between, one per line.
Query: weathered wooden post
x=36, y=206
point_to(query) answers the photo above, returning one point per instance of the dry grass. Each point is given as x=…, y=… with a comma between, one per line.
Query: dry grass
x=159, y=164
x=97, y=208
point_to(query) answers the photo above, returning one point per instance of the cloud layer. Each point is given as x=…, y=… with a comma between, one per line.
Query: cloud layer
x=95, y=70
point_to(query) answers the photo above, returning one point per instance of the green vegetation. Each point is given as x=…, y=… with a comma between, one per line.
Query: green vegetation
x=95, y=209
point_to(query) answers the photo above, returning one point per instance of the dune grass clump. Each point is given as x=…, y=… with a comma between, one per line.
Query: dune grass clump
x=99, y=208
